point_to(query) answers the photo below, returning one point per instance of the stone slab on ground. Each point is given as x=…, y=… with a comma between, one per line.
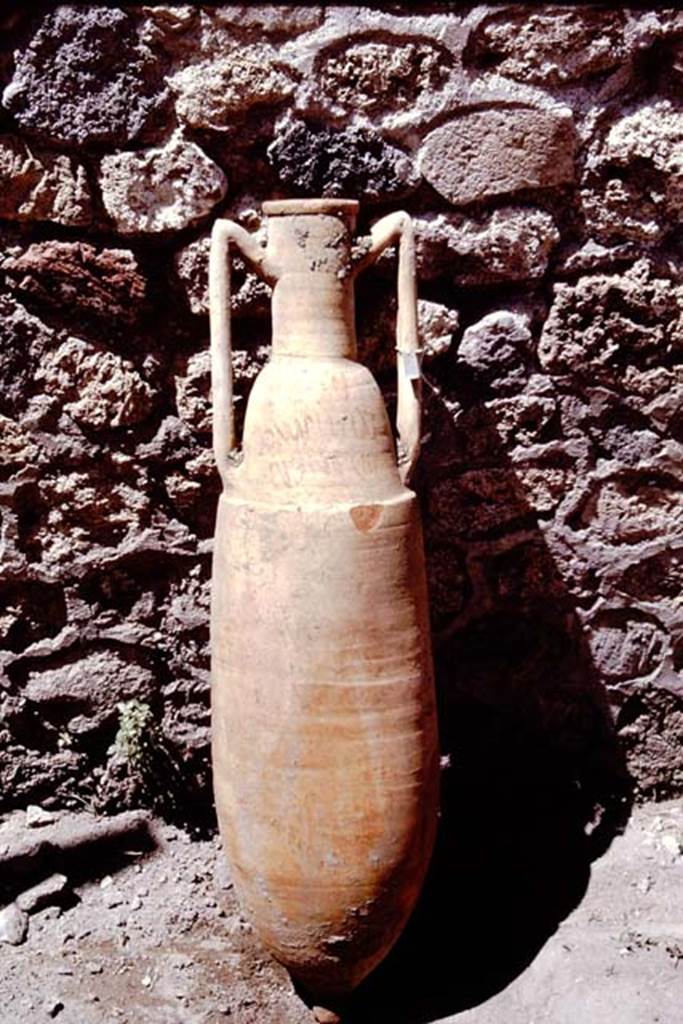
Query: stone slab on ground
x=174, y=948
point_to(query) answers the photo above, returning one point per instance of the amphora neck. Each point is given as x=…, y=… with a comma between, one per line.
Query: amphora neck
x=310, y=242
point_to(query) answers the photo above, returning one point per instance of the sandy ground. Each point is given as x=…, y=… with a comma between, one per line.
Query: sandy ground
x=155, y=937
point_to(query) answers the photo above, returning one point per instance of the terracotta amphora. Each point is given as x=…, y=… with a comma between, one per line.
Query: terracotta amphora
x=324, y=727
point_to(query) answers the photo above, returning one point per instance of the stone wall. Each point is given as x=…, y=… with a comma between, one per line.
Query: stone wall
x=539, y=150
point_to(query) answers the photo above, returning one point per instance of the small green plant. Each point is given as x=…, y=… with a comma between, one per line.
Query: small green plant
x=143, y=770
x=134, y=739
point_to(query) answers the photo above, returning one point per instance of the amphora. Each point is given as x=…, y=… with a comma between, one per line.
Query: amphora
x=324, y=729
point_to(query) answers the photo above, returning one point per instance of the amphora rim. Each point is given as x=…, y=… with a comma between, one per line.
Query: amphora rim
x=290, y=207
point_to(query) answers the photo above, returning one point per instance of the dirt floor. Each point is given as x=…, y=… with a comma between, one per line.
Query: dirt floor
x=145, y=929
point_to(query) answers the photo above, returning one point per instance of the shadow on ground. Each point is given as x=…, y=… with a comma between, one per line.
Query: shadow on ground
x=536, y=787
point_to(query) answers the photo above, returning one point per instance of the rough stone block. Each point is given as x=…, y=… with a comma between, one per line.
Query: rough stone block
x=99, y=389
x=192, y=390
x=545, y=483
x=522, y=419
x=38, y=185
x=105, y=283
x=278, y=19
x=549, y=47
x=511, y=244
x=626, y=643
x=633, y=183
x=436, y=325
x=162, y=189
x=634, y=507
x=16, y=445
x=209, y=94
x=657, y=393
x=84, y=78
x=652, y=577
x=519, y=572
x=496, y=350
x=92, y=685
x=481, y=154
x=83, y=520
x=376, y=76
x=604, y=323
x=651, y=733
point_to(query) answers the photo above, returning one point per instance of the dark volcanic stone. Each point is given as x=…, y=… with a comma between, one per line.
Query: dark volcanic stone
x=354, y=162
x=84, y=78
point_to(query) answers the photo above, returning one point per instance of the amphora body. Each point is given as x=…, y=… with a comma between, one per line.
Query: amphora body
x=324, y=732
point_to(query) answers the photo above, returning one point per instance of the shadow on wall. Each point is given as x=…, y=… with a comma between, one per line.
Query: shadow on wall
x=537, y=787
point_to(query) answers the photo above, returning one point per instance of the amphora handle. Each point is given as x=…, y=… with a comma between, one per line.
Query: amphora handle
x=223, y=410
x=398, y=227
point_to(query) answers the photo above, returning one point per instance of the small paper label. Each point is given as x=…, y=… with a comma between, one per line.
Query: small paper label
x=411, y=365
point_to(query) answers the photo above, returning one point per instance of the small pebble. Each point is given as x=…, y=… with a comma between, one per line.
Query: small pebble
x=95, y=968
x=135, y=903
x=46, y=892
x=671, y=844
x=146, y=981
x=53, y=1007
x=36, y=816
x=13, y=925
